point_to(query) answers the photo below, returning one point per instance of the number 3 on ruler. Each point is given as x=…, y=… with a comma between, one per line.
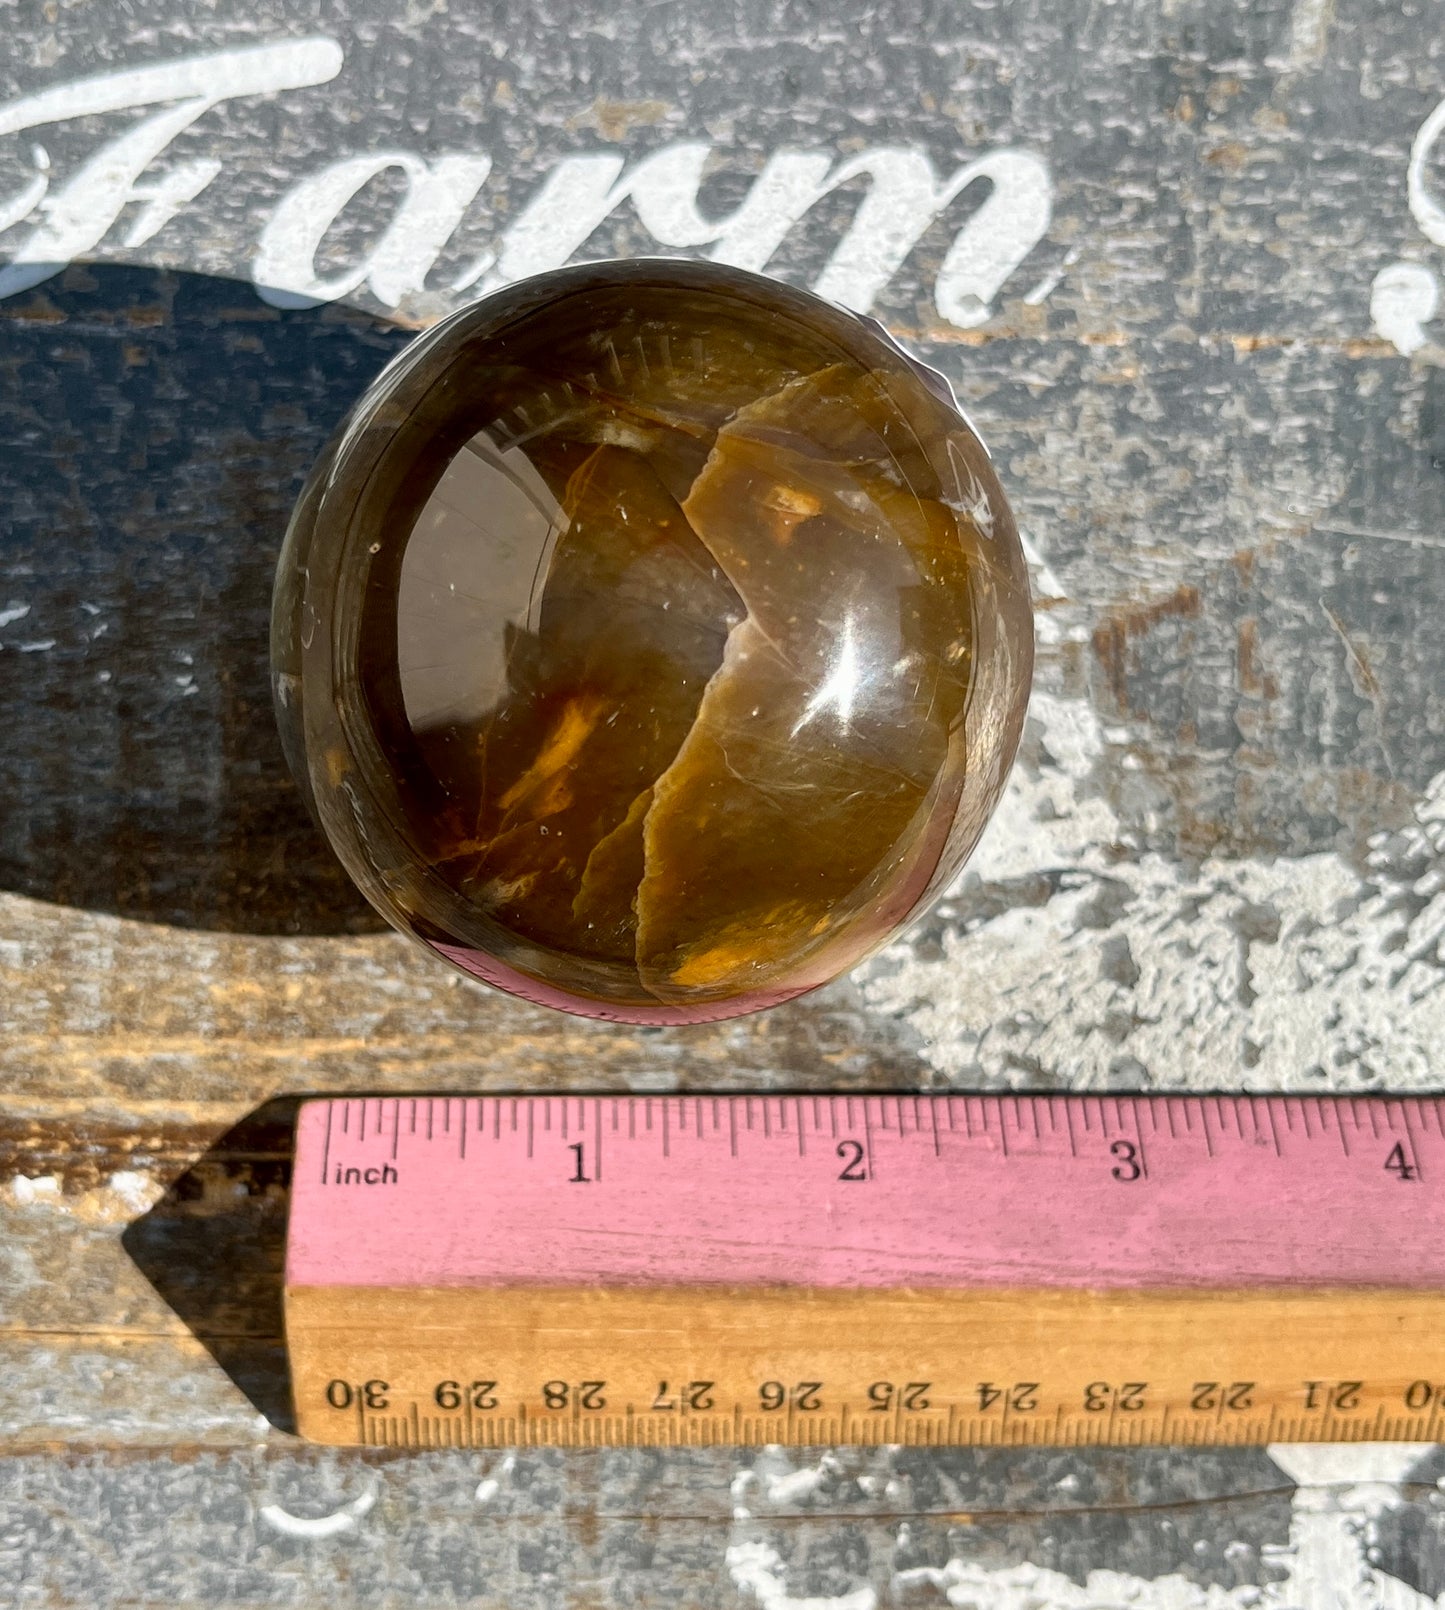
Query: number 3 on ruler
x=1130, y=1165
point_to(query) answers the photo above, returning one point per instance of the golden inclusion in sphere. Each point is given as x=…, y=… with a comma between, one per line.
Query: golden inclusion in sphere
x=653, y=640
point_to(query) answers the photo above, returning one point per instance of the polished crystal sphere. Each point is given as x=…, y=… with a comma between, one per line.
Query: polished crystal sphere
x=653, y=640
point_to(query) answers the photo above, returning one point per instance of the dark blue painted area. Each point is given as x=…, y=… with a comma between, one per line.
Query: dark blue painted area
x=155, y=429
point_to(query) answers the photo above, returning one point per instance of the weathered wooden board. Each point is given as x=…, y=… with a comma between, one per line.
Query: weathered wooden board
x=1194, y=317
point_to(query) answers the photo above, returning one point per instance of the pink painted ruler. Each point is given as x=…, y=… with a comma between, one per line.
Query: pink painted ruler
x=577, y=1271
x=869, y=1192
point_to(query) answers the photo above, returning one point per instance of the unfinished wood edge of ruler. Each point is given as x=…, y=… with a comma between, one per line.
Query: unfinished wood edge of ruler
x=660, y=1365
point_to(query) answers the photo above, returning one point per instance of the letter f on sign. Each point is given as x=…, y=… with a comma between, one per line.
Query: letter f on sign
x=77, y=217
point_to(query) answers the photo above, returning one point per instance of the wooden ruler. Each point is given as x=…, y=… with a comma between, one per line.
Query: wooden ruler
x=486, y=1271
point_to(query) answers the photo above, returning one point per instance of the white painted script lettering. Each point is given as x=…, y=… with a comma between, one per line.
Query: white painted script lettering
x=75, y=217
x=581, y=192
x=437, y=196
x=903, y=198
x=1404, y=297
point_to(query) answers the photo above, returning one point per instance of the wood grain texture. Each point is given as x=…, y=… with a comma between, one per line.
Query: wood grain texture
x=1219, y=868
x=666, y=1366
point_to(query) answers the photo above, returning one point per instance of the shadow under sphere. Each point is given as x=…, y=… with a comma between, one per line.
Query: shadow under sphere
x=155, y=429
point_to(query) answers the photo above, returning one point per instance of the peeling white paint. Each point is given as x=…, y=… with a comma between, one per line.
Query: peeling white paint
x=1033, y=1587
x=490, y=1486
x=134, y=1193
x=313, y=1528
x=775, y=1480
x=26, y=1191
x=123, y=1197
x=1342, y=1492
x=1285, y=973
x=1403, y=299
x=756, y=1568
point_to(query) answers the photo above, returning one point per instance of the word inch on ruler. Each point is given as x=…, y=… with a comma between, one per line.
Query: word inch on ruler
x=488, y=1271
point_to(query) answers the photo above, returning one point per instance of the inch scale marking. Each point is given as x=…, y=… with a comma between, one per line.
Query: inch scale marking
x=486, y=1271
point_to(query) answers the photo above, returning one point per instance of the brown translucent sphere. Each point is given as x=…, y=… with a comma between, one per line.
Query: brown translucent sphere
x=653, y=640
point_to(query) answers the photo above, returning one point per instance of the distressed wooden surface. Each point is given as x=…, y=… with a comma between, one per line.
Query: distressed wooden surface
x=1214, y=391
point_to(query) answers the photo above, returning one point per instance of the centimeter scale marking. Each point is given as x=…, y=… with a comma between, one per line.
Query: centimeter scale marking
x=485, y=1271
